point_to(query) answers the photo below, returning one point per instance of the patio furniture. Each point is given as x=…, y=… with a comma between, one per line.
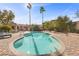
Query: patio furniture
x=4, y=34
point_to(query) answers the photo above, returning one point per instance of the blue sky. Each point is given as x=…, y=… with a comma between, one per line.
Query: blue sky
x=53, y=10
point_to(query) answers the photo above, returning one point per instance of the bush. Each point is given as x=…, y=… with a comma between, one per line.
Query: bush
x=5, y=28
x=77, y=31
x=35, y=28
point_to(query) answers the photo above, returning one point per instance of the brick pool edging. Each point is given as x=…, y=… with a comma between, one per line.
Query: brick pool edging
x=62, y=49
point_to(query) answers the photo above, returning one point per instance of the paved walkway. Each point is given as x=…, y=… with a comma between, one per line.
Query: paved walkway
x=71, y=43
x=4, y=45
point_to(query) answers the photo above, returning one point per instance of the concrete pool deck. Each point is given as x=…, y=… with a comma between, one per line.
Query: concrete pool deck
x=71, y=43
x=4, y=45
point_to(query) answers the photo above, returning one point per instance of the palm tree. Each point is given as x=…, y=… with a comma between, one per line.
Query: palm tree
x=29, y=6
x=42, y=10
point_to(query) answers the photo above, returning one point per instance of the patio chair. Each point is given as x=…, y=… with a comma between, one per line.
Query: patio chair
x=3, y=34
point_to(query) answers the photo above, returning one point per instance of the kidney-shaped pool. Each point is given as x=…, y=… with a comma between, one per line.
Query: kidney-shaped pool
x=37, y=43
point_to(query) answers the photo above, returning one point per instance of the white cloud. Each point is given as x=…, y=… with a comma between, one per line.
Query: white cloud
x=4, y=6
x=21, y=19
x=66, y=10
x=25, y=19
x=25, y=5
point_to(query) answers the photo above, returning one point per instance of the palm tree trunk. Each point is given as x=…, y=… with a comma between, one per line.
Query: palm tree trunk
x=42, y=21
x=29, y=19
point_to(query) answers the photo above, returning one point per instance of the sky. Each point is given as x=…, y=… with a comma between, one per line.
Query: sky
x=52, y=11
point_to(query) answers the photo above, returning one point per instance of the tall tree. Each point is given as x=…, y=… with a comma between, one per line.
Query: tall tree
x=29, y=6
x=61, y=24
x=10, y=16
x=42, y=10
x=6, y=16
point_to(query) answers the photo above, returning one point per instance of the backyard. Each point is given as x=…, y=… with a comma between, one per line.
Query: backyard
x=34, y=38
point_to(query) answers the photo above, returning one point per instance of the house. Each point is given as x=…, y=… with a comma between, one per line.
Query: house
x=19, y=27
x=77, y=25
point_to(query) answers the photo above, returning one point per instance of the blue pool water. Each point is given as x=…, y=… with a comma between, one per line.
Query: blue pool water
x=37, y=43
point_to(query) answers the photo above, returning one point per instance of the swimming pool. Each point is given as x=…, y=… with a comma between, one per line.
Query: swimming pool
x=37, y=43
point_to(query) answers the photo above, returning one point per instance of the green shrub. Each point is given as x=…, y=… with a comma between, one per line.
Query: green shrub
x=76, y=31
x=5, y=28
x=35, y=28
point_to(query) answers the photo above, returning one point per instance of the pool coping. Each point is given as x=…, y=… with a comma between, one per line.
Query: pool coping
x=62, y=49
x=14, y=51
